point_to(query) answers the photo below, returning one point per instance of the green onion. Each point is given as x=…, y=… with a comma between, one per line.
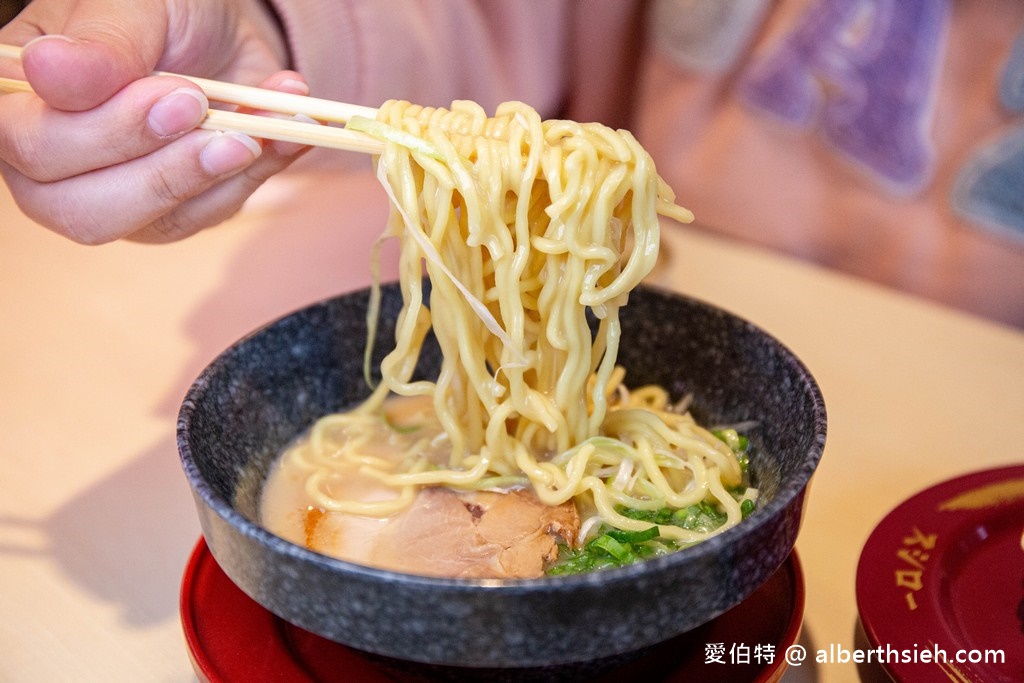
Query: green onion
x=647, y=534
x=734, y=440
x=619, y=547
x=620, y=551
x=701, y=517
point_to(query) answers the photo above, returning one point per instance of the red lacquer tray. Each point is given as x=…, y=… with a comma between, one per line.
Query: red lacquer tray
x=940, y=583
x=232, y=638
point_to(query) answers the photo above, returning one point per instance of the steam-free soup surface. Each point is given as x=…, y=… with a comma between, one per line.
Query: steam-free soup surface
x=443, y=532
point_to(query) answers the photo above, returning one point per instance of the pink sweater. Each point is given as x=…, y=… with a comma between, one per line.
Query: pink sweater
x=882, y=138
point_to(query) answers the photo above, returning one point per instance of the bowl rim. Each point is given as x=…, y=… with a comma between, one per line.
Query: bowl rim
x=787, y=491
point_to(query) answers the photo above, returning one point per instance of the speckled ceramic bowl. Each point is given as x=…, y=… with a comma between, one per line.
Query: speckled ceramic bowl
x=270, y=386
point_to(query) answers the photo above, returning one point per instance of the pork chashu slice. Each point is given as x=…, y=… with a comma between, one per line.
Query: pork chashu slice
x=479, y=534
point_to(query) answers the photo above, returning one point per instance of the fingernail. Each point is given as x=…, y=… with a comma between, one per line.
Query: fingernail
x=228, y=152
x=295, y=86
x=53, y=36
x=178, y=111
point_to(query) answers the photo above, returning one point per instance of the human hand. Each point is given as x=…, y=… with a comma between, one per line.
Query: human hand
x=103, y=150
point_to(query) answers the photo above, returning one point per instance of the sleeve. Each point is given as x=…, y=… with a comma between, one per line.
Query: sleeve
x=10, y=9
x=430, y=52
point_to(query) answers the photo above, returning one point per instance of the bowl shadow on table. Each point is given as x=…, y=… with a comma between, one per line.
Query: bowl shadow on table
x=300, y=249
x=869, y=672
x=114, y=518
x=809, y=671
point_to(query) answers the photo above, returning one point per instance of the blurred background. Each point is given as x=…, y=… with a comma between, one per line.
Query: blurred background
x=881, y=139
x=9, y=8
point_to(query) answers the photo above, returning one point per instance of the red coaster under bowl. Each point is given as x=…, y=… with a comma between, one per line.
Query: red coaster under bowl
x=941, y=578
x=232, y=638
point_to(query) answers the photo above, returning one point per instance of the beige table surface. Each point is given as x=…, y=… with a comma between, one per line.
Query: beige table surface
x=98, y=344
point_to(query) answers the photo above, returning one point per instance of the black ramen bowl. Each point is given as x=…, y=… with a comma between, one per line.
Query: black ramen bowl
x=270, y=386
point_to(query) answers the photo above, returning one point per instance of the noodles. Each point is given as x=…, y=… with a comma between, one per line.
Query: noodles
x=523, y=226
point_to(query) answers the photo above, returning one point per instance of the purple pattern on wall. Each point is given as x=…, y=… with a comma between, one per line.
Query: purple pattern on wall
x=1011, y=87
x=989, y=190
x=862, y=73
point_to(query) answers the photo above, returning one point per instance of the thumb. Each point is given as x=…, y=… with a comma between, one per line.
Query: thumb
x=102, y=47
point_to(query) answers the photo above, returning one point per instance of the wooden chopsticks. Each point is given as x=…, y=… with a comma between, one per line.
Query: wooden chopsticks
x=266, y=127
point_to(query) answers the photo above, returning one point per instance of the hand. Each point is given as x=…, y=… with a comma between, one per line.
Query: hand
x=102, y=150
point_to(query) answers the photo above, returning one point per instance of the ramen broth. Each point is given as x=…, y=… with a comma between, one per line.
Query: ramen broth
x=443, y=532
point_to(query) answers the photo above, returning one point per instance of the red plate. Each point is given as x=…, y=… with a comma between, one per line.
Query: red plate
x=232, y=638
x=941, y=579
